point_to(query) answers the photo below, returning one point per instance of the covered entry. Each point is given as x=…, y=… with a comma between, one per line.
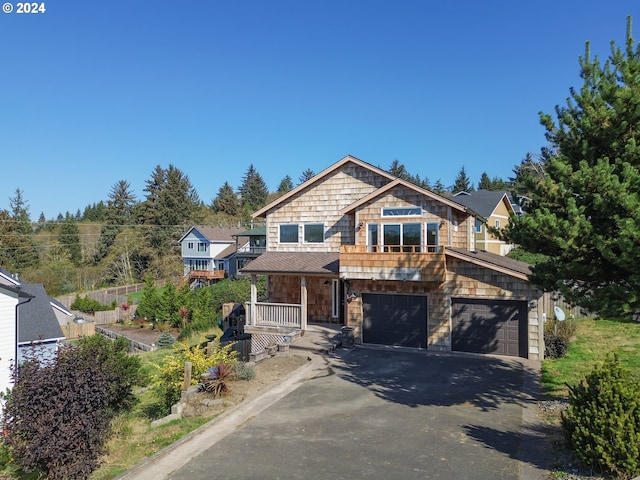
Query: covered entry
x=489, y=326
x=399, y=320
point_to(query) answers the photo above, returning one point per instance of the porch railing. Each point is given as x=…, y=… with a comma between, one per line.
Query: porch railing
x=274, y=315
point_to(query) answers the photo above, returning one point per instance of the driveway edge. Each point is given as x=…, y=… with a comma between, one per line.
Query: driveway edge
x=171, y=458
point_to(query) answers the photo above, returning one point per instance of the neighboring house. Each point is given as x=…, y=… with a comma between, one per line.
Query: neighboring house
x=495, y=209
x=397, y=264
x=208, y=253
x=39, y=319
x=251, y=249
x=11, y=300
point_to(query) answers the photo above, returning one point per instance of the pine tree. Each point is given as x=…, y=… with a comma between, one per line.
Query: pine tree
x=584, y=214
x=118, y=213
x=462, y=182
x=69, y=238
x=306, y=175
x=226, y=201
x=286, y=185
x=253, y=191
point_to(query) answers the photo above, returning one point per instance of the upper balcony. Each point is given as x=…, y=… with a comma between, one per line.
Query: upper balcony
x=410, y=263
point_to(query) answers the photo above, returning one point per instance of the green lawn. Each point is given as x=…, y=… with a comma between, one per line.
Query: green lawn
x=593, y=340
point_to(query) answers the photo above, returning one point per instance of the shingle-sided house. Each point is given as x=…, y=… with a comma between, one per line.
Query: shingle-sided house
x=208, y=253
x=495, y=209
x=359, y=247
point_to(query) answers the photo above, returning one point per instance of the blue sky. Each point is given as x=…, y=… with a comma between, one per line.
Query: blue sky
x=96, y=92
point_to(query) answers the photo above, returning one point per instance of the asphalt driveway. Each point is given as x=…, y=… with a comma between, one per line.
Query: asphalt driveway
x=380, y=413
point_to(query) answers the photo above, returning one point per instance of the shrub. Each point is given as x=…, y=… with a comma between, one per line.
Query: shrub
x=557, y=336
x=89, y=305
x=165, y=340
x=243, y=371
x=57, y=417
x=169, y=381
x=602, y=422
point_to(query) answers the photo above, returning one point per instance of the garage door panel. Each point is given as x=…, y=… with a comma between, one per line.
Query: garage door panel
x=489, y=326
x=399, y=320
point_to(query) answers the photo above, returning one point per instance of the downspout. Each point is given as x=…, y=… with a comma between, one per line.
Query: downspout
x=17, y=335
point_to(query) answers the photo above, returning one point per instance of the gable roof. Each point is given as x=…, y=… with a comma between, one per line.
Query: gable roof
x=36, y=321
x=309, y=263
x=316, y=178
x=253, y=232
x=226, y=253
x=484, y=202
x=400, y=182
x=215, y=234
x=493, y=261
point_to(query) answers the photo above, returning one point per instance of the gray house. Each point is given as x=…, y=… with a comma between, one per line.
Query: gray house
x=208, y=253
x=39, y=318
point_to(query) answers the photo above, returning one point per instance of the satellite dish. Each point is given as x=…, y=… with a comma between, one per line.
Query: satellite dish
x=560, y=316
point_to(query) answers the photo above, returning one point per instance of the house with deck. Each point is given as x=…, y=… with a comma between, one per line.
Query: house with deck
x=394, y=263
x=209, y=253
x=494, y=209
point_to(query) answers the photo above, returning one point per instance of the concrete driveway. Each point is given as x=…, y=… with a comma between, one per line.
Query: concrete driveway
x=380, y=413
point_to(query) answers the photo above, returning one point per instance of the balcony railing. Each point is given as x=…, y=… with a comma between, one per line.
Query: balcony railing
x=251, y=250
x=274, y=315
x=397, y=262
x=207, y=274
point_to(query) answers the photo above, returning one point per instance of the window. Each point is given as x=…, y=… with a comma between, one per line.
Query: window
x=432, y=237
x=401, y=237
x=202, y=247
x=401, y=211
x=497, y=223
x=478, y=226
x=190, y=245
x=314, y=233
x=289, y=233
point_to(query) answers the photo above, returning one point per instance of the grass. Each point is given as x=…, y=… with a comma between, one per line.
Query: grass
x=593, y=340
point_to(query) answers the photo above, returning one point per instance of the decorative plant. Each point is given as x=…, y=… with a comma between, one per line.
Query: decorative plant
x=217, y=381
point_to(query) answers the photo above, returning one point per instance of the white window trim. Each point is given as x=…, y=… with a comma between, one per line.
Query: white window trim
x=304, y=226
x=414, y=215
x=280, y=233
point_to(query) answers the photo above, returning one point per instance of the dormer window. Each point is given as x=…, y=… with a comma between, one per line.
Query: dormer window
x=401, y=211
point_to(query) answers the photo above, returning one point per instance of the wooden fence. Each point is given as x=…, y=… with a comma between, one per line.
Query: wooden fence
x=78, y=330
x=554, y=298
x=135, y=345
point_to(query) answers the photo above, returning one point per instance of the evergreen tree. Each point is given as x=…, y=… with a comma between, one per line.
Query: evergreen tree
x=18, y=250
x=171, y=204
x=462, y=182
x=286, y=185
x=306, y=175
x=399, y=170
x=439, y=188
x=529, y=173
x=226, y=201
x=584, y=214
x=493, y=184
x=118, y=213
x=253, y=191
x=69, y=238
